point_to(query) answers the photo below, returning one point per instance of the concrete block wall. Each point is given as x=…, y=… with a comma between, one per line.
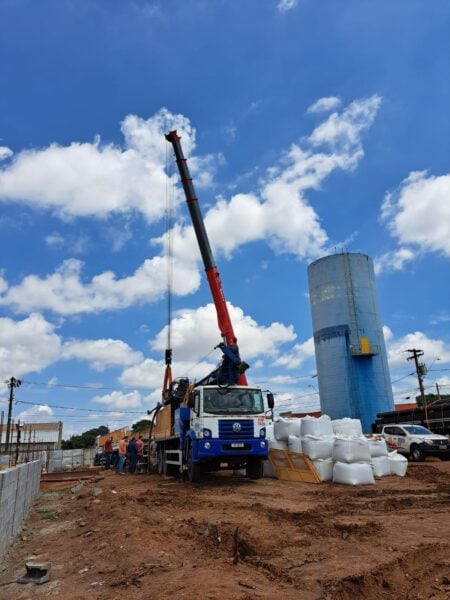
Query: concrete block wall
x=64, y=460
x=19, y=486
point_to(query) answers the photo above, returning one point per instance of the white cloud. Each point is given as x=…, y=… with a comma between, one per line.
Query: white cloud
x=195, y=332
x=95, y=179
x=418, y=213
x=101, y=353
x=65, y=293
x=387, y=334
x=343, y=131
x=54, y=239
x=119, y=400
x=324, y=104
x=27, y=346
x=279, y=214
x=299, y=354
x=150, y=373
x=5, y=152
x=252, y=216
x=394, y=260
x=286, y=5
x=34, y=414
x=432, y=349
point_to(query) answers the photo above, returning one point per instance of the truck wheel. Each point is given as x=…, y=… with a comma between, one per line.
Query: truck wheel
x=416, y=453
x=194, y=469
x=254, y=469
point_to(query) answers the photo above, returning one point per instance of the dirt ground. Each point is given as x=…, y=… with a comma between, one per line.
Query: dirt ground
x=143, y=536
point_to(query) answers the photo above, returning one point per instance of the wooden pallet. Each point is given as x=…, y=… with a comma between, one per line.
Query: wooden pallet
x=292, y=466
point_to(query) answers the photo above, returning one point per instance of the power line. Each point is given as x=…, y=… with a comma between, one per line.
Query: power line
x=127, y=412
x=78, y=387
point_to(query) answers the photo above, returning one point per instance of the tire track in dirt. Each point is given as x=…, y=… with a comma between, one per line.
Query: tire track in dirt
x=411, y=577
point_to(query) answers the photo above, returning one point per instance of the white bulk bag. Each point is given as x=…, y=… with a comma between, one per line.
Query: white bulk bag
x=278, y=445
x=318, y=446
x=269, y=430
x=320, y=426
x=381, y=466
x=295, y=444
x=353, y=474
x=281, y=429
x=295, y=427
x=398, y=464
x=324, y=468
x=378, y=448
x=351, y=449
x=346, y=426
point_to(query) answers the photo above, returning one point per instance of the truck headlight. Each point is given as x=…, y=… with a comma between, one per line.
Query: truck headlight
x=262, y=432
x=262, y=444
x=207, y=433
x=207, y=445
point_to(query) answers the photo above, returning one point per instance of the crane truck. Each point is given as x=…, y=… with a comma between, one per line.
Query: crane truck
x=218, y=422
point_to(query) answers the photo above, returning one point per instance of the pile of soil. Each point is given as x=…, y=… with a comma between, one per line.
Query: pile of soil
x=144, y=536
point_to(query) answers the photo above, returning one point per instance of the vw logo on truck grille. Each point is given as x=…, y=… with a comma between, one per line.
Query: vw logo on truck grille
x=236, y=427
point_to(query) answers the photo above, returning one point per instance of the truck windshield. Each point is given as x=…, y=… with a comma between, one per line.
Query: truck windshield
x=416, y=430
x=233, y=401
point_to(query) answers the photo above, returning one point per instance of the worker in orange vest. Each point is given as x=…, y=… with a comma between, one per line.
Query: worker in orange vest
x=123, y=443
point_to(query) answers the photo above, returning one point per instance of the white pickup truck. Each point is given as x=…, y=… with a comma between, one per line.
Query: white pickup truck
x=416, y=441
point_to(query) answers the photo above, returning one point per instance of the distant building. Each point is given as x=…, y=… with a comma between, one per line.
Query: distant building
x=34, y=436
x=299, y=415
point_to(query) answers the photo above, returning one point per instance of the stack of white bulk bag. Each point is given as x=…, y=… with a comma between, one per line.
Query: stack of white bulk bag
x=353, y=464
x=378, y=447
x=353, y=473
x=381, y=466
x=346, y=426
x=318, y=447
x=316, y=426
x=324, y=468
x=295, y=427
x=317, y=443
x=398, y=463
x=380, y=461
x=351, y=450
x=294, y=444
x=281, y=429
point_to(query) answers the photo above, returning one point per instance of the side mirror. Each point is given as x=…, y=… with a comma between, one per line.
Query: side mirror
x=191, y=401
x=270, y=400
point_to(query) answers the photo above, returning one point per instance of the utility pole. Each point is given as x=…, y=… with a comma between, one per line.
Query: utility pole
x=12, y=383
x=420, y=370
x=19, y=431
x=438, y=391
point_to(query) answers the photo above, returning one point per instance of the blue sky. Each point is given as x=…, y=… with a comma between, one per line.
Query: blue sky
x=310, y=127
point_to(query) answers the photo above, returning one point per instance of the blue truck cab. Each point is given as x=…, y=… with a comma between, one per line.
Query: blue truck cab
x=213, y=428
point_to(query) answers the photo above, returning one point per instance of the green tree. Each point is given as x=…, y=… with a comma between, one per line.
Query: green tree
x=143, y=424
x=85, y=440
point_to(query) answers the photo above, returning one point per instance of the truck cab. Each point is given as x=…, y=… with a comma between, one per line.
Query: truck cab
x=416, y=441
x=216, y=428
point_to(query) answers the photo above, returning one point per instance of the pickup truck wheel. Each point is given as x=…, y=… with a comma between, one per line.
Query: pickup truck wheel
x=254, y=469
x=194, y=469
x=416, y=453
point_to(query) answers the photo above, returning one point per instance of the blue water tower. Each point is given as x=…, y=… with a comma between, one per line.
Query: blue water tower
x=351, y=359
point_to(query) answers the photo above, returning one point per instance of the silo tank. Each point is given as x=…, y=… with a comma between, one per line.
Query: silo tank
x=351, y=359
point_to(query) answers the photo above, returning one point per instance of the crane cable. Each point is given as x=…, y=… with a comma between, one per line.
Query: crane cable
x=169, y=266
